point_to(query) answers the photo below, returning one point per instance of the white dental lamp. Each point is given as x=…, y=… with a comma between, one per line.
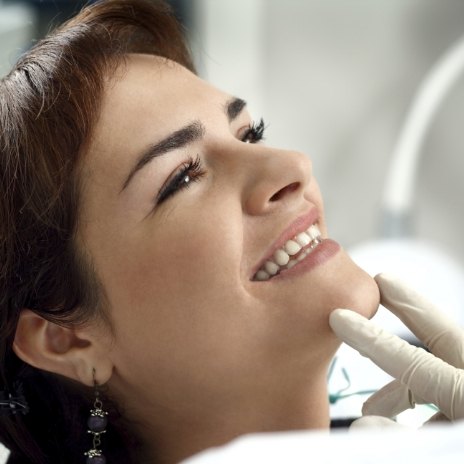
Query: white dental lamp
x=428, y=268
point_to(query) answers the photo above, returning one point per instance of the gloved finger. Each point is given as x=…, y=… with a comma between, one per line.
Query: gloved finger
x=438, y=332
x=389, y=401
x=428, y=377
x=438, y=417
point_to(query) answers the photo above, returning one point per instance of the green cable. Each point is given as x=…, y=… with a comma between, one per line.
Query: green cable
x=335, y=397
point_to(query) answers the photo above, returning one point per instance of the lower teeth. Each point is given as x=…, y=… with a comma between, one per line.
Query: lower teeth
x=291, y=263
x=314, y=243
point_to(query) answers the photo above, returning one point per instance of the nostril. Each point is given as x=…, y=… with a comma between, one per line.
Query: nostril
x=287, y=189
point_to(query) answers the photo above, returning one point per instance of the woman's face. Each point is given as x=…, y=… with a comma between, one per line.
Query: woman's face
x=177, y=250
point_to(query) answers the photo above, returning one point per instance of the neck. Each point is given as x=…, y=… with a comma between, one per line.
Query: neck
x=180, y=437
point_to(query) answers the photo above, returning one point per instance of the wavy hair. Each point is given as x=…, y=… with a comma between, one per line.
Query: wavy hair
x=49, y=103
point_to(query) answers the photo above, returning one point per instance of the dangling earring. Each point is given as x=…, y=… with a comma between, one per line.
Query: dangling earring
x=97, y=424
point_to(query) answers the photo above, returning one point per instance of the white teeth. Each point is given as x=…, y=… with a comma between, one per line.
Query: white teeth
x=271, y=268
x=292, y=248
x=281, y=258
x=303, y=239
x=314, y=232
x=291, y=263
x=315, y=242
x=262, y=275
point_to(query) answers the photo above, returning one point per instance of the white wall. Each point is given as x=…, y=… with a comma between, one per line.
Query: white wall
x=229, y=46
x=17, y=25
x=334, y=79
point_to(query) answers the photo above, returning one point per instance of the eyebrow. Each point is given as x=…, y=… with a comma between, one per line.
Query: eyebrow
x=234, y=107
x=180, y=138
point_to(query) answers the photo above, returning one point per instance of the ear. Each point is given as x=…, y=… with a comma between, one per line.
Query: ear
x=71, y=352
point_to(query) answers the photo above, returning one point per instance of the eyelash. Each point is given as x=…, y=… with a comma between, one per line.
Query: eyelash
x=192, y=169
x=255, y=132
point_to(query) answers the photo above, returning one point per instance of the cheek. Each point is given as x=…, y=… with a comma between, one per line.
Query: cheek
x=203, y=252
x=185, y=307
x=183, y=263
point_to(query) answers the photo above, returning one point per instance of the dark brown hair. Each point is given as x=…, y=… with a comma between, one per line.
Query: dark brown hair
x=49, y=103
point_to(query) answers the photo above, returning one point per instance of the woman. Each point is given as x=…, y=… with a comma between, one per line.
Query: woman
x=154, y=253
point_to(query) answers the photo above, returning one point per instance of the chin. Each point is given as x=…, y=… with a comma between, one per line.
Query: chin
x=349, y=287
x=361, y=293
x=339, y=283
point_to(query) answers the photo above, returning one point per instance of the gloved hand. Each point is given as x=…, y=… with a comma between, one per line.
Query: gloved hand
x=421, y=377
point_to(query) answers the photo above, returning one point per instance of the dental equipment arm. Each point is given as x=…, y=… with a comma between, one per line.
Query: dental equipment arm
x=402, y=172
x=420, y=377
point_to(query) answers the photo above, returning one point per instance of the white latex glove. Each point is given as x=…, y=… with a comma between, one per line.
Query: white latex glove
x=421, y=377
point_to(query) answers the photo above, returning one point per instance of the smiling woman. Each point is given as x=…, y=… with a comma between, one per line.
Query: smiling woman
x=155, y=253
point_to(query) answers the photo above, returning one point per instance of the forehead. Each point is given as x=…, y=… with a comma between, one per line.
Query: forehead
x=147, y=98
x=156, y=87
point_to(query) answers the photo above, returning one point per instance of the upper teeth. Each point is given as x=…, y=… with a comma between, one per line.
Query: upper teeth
x=281, y=257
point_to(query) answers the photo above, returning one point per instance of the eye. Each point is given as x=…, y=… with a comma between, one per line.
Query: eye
x=255, y=132
x=190, y=171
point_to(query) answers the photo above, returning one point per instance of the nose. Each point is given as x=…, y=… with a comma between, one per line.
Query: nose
x=275, y=178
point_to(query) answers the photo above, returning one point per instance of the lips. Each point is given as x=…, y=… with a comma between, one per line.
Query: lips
x=300, y=236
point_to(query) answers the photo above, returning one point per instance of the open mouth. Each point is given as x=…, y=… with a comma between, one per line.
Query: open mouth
x=293, y=251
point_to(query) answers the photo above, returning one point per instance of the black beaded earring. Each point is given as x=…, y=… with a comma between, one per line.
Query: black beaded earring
x=97, y=424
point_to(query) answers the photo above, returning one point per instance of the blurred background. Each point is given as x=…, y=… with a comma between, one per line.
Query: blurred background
x=335, y=80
